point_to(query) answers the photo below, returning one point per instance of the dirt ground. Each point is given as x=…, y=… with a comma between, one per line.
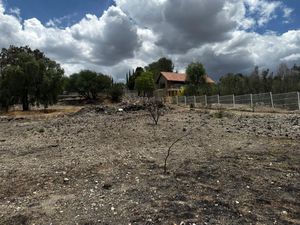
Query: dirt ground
x=93, y=167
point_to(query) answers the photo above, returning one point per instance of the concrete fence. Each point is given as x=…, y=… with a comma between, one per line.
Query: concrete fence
x=287, y=101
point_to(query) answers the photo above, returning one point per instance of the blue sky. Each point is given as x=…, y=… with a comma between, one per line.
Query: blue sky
x=225, y=35
x=278, y=23
x=69, y=11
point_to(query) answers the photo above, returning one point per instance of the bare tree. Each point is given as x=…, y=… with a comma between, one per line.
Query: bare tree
x=155, y=108
x=170, y=148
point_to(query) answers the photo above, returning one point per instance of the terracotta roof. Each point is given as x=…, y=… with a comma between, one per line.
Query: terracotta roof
x=181, y=77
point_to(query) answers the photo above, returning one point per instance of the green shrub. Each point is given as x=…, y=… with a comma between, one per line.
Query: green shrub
x=116, y=92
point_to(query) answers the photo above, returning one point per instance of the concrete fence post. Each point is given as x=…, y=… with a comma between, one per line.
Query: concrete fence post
x=195, y=101
x=184, y=100
x=298, y=95
x=205, y=100
x=251, y=100
x=218, y=99
x=272, y=103
x=177, y=100
x=233, y=100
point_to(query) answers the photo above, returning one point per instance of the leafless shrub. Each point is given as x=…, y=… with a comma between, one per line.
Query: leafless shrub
x=155, y=109
x=170, y=148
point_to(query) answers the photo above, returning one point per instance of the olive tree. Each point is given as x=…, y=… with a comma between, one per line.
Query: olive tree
x=28, y=77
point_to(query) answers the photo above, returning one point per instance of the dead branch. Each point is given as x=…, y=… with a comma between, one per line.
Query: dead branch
x=155, y=110
x=170, y=148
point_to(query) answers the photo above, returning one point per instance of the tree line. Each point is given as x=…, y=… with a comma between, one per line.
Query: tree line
x=284, y=80
x=29, y=78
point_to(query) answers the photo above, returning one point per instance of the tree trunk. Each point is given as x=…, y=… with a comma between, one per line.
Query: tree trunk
x=25, y=103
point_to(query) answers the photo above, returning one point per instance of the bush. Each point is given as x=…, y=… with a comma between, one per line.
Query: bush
x=116, y=92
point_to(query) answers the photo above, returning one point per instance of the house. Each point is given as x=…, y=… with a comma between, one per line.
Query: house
x=169, y=83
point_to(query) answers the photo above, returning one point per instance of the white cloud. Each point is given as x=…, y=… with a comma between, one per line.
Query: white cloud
x=16, y=12
x=56, y=22
x=181, y=25
x=219, y=33
x=291, y=58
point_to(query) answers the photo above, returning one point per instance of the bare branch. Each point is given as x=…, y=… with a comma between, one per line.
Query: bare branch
x=170, y=148
x=155, y=108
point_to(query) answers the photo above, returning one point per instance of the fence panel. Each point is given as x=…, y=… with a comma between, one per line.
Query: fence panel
x=262, y=99
x=286, y=100
x=181, y=99
x=289, y=101
x=201, y=100
x=226, y=100
x=190, y=100
x=243, y=99
x=212, y=99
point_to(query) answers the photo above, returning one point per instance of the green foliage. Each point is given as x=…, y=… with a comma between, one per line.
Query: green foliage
x=88, y=84
x=195, y=74
x=161, y=65
x=233, y=84
x=285, y=80
x=116, y=92
x=196, y=84
x=130, y=80
x=51, y=85
x=144, y=84
x=29, y=78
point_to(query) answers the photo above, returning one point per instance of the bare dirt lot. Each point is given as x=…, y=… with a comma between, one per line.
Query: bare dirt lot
x=93, y=167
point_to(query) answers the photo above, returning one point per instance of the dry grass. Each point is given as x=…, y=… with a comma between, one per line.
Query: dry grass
x=54, y=111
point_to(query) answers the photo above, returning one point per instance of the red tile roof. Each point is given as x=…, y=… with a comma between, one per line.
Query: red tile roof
x=181, y=77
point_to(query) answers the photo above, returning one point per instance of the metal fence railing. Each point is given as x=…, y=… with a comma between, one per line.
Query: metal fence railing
x=288, y=101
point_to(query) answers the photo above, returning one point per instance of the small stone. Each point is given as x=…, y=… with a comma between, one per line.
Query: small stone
x=106, y=186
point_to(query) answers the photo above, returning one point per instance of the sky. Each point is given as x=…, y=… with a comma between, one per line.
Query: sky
x=115, y=36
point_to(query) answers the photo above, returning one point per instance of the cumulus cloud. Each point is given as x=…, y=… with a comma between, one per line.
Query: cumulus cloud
x=182, y=25
x=94, y=42
x=219, y=33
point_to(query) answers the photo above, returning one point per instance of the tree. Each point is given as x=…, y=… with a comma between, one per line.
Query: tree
x=51, y=84
x=89, y=83
x=24, y=74
x=195, y=78
x=145, y=84
x=233, y=84
x=116, y=92
x=254, y=81
x=162, y=65
x=132, y=77
x=8, y=84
